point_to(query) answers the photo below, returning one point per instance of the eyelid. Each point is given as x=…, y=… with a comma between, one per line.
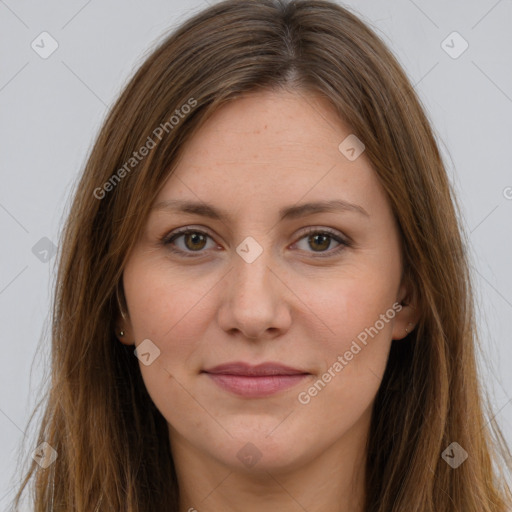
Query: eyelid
x=334, y=234
x=343, y=240
x=167, y=240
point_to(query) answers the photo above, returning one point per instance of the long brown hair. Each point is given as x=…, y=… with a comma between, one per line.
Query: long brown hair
x=112, y=442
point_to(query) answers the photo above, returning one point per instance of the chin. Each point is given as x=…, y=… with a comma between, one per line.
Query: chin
x=261, y=450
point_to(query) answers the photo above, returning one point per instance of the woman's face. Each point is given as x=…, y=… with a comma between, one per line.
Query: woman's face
x=251, y=285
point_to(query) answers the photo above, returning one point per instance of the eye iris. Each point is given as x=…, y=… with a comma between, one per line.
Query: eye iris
x=196, y=237
x=325, y=237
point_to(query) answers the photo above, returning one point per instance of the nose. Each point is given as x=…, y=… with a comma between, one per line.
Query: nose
x=255, y=300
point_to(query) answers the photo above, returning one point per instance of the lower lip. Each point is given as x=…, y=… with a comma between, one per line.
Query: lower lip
x=256, y=387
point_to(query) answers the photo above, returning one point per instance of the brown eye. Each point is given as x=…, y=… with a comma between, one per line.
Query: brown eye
x=322, y=241
x=194, y=241
x=319, y=241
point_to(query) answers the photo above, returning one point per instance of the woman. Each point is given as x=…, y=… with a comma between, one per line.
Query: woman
x=265, y=222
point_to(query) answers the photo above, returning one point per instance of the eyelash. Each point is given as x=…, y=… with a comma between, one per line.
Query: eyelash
x=168, y=240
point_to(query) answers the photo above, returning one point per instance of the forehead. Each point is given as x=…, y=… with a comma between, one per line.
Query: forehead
x=271, y=148
x=284, y=124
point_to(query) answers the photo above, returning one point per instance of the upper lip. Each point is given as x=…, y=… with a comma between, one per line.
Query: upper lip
x=241, y=368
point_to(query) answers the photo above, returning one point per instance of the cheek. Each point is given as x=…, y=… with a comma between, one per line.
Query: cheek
x=351, y=302
x=168, y=310
x=358, y=310
x=165, y=304
x=354, y=358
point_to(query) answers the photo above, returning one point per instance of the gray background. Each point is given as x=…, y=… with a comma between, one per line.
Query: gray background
x=52, y=109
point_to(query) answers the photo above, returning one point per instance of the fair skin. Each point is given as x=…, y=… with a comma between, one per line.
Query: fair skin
x=256, y=155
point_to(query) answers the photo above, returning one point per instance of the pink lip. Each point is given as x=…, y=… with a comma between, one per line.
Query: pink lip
x=255, y=381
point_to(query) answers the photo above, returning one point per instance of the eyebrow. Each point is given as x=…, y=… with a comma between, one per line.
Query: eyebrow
x=287, y=213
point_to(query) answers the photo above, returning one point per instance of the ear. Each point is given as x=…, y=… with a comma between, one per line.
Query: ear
x=123, y=329
x=408, y=317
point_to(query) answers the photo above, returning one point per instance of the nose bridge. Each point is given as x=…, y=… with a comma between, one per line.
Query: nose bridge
x=252, y=297
x=252, y=265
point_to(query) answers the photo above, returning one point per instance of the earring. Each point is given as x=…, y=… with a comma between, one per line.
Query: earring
x=406, y=329
x=121, y=334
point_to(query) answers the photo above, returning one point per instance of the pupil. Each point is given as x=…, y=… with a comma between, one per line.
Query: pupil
x=326, y=239
x=195, y=237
